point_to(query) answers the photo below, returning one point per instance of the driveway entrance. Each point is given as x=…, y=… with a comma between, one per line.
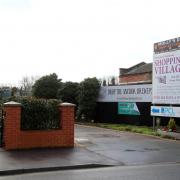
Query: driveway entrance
x=127, y=148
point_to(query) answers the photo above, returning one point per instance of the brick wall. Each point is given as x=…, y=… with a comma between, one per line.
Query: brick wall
x=135, y=78
x=15, y=138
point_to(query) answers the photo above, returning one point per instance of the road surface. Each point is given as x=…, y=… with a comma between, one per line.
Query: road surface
x=145, y=172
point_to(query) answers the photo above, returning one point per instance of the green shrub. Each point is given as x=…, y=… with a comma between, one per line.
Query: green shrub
x=88, y=93
x=171, y=124
x=47, y=86
x=39, y=114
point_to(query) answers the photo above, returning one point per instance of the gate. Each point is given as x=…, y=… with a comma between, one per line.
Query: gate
x=2, y=115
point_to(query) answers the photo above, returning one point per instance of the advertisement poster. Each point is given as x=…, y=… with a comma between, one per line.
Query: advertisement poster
x=165, y=111
x=128, y=108
x=166, y=72
x=126, y=93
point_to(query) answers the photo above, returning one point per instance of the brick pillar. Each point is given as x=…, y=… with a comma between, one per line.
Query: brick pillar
x=67, y=119
x=11, y=124
x=15, y=138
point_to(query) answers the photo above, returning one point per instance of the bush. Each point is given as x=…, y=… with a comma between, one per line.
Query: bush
x=88, y=93
x=172, y=124
x=47, y=86
x=39, y=114
x=69, y=92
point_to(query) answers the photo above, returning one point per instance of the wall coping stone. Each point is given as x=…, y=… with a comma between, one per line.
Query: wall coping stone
x=67, y=104
x=12, y=103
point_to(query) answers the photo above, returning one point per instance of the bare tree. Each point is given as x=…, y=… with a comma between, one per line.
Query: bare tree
x=26, y=85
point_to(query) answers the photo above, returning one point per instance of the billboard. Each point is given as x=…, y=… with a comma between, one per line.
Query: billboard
x=126, y=93
x=166, y=72
x=128, y=108
x=165, y=111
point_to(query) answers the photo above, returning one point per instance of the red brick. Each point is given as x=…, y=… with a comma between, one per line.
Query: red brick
x=15, y=138
x=135, y=78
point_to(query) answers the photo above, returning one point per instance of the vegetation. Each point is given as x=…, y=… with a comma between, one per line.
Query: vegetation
x=104, y=83
x=26, y=85
x=130, y=128
x=14, y=90
x=88, y=92
x=171, y=124
x=39, y=113
x=69, y=92
x=125, y=127
x=82, y=94
x=47, y=86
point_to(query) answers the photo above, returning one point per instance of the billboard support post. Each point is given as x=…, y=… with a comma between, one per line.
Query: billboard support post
x=154, y=123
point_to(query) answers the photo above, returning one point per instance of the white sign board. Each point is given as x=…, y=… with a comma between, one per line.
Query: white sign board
x=166, y=72
x=165, y=111
x=126, y=93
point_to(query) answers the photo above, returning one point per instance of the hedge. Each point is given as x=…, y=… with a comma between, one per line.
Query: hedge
x=39, y=114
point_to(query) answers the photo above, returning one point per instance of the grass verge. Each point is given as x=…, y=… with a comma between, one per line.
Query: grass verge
x=130, y=128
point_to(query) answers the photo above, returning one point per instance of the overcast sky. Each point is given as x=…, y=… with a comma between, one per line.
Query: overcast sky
x=81, y=38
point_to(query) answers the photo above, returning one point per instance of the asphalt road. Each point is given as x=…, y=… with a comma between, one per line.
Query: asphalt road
x=125, y=148
x=146, y=172
x=133, y=156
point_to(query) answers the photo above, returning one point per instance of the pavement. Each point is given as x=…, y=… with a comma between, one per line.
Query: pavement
x=170, y=134
x=95, y=147
x=38, y=160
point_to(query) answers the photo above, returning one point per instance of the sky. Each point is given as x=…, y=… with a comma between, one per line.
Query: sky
x=80, y=38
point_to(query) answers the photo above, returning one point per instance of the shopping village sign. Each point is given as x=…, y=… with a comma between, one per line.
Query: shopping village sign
x=126, y=93
x=166, y=78
x=166, y=72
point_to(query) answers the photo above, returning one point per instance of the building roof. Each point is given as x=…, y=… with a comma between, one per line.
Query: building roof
x=137, y=69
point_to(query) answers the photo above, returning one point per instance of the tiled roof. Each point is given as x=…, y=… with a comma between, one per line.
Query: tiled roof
x=141, y=68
